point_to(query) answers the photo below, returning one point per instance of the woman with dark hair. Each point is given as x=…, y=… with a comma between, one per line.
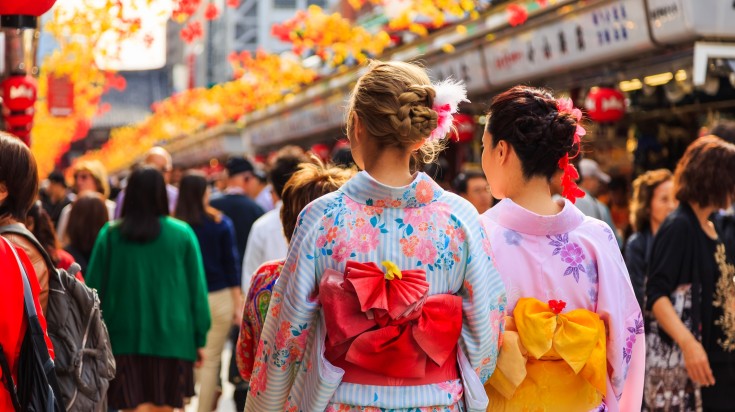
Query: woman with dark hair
x=86, y=219
x=690, y=360
x=653, y=200
x=216, y=236
x=148, y=270
x=551, y=257
x=39, y=223
x=18, y=191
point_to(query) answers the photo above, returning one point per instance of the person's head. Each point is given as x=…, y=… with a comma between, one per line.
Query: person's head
x=18, y=178
x=91, y=175
x=653, y=199
x=192, y=205
x=241, y=174
x=40, y=224
x=473, y=186
x=725, y=130
x=525, y=137
x=705, y=175
x=159, y=159
x=88, y=215
x=593, y=178
x=310, y=182
x=284, y=166
x=390, y=108
x=145, y=202
x=56, y=186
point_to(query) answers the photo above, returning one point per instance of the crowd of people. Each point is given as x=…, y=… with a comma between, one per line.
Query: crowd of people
x=364, y=284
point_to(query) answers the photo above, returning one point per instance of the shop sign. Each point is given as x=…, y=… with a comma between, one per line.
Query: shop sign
x=312, y=118
x=607, y=32
x=605, y=105
x=675, y=21
x=464, y=65
x=60, y=96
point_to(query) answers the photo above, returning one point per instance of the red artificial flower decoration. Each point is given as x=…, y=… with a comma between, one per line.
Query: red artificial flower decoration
x=183, y=9
x=211, y=12
x=542, y=3
x=517, y=14
x=570, y=175
x=233, y=3
x=192, y=31
x=557, y=306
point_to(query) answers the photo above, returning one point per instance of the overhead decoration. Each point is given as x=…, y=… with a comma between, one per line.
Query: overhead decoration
x=604, y=104
x=330, y=36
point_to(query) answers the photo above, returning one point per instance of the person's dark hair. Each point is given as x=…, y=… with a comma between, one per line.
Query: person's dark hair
x=190, y=205
x=19, y=174
x=643, y=188
x=725, y=130
x=311, y=181
x=528, y=119
x=705, y=175
x=88, y=215
x=459, y=184
x=43, y=229
x=145, y=202
x=283, y=168
x=342, y=157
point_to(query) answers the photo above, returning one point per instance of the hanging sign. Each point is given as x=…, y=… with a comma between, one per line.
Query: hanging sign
x=605, y=104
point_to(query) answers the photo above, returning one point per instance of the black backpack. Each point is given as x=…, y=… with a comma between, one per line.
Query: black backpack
x=37, y=388
x=85, y=364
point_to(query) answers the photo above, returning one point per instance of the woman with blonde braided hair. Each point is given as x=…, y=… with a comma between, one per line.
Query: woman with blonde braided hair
x=386, y=300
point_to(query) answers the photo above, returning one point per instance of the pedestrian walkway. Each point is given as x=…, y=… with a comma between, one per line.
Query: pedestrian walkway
x=226, y=402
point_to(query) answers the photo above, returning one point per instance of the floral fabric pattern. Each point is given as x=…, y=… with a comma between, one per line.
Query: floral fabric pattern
x=418, y=226
x=254, y=314
x=570, y=253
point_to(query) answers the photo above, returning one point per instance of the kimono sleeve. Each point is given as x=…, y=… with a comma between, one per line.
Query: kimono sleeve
x=291, y=320
x=618, y=308
x=483, y=304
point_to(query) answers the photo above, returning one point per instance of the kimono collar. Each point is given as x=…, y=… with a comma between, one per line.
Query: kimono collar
x=509, y=215
x=362, y=188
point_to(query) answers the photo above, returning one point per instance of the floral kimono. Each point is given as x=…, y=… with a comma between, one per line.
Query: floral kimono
x=565, y=273
x=377, y=282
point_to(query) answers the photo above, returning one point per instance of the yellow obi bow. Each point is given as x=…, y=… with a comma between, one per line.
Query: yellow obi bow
x=549, y=361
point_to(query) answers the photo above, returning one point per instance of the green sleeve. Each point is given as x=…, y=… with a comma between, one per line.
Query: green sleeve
x=99, y=261
x=198, y=289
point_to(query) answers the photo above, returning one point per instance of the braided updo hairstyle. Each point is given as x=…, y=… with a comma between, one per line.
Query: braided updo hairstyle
x=527, y=118
x=394, y=103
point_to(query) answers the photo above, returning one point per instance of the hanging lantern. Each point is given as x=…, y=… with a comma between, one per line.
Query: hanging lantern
x=604, y=104
x=19, y=96
x=25, y=8
x=465, y=126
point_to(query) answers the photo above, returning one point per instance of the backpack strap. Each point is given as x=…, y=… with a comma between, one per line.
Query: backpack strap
x=8, y=380
x=19, y=229
x=37, y=334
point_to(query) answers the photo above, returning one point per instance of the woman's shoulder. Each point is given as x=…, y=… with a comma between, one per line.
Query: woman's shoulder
x=176, y=226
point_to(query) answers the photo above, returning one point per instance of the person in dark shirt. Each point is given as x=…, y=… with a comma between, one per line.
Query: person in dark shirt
x=690, y=337
x=216, y=236
x=56, y=196
x=243, y=211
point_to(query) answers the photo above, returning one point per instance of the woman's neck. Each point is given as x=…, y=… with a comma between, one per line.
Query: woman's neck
x=703, y=214
x=534, y=195
x=654, y=227
x=389, y=166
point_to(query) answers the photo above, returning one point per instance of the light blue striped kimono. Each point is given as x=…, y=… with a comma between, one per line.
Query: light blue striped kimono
x=419, y=226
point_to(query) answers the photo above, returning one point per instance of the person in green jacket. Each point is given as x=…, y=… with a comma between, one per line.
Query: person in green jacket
x=147, y=268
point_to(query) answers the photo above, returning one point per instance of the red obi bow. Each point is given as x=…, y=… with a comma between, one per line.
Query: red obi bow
x=386, y=323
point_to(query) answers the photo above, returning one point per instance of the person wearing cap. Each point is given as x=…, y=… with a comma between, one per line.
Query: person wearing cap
x=160, y=159
x=592, y=179
x=56, y=196
x=235, y=203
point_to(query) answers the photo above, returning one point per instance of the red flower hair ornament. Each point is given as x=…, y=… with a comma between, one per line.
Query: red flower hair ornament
x=570, y=175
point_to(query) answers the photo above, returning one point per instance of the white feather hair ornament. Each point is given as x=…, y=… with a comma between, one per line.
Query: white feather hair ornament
x=449, y=94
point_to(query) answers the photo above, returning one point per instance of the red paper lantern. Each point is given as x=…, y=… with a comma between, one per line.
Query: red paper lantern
x=465, y=126
x=19, y=92
x=605, y=104
x=26, y=7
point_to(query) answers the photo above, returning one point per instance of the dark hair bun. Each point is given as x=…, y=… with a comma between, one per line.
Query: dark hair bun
x=528, y=119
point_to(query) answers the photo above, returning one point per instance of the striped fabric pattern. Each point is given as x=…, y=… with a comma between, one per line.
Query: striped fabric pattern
x=419, y=226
